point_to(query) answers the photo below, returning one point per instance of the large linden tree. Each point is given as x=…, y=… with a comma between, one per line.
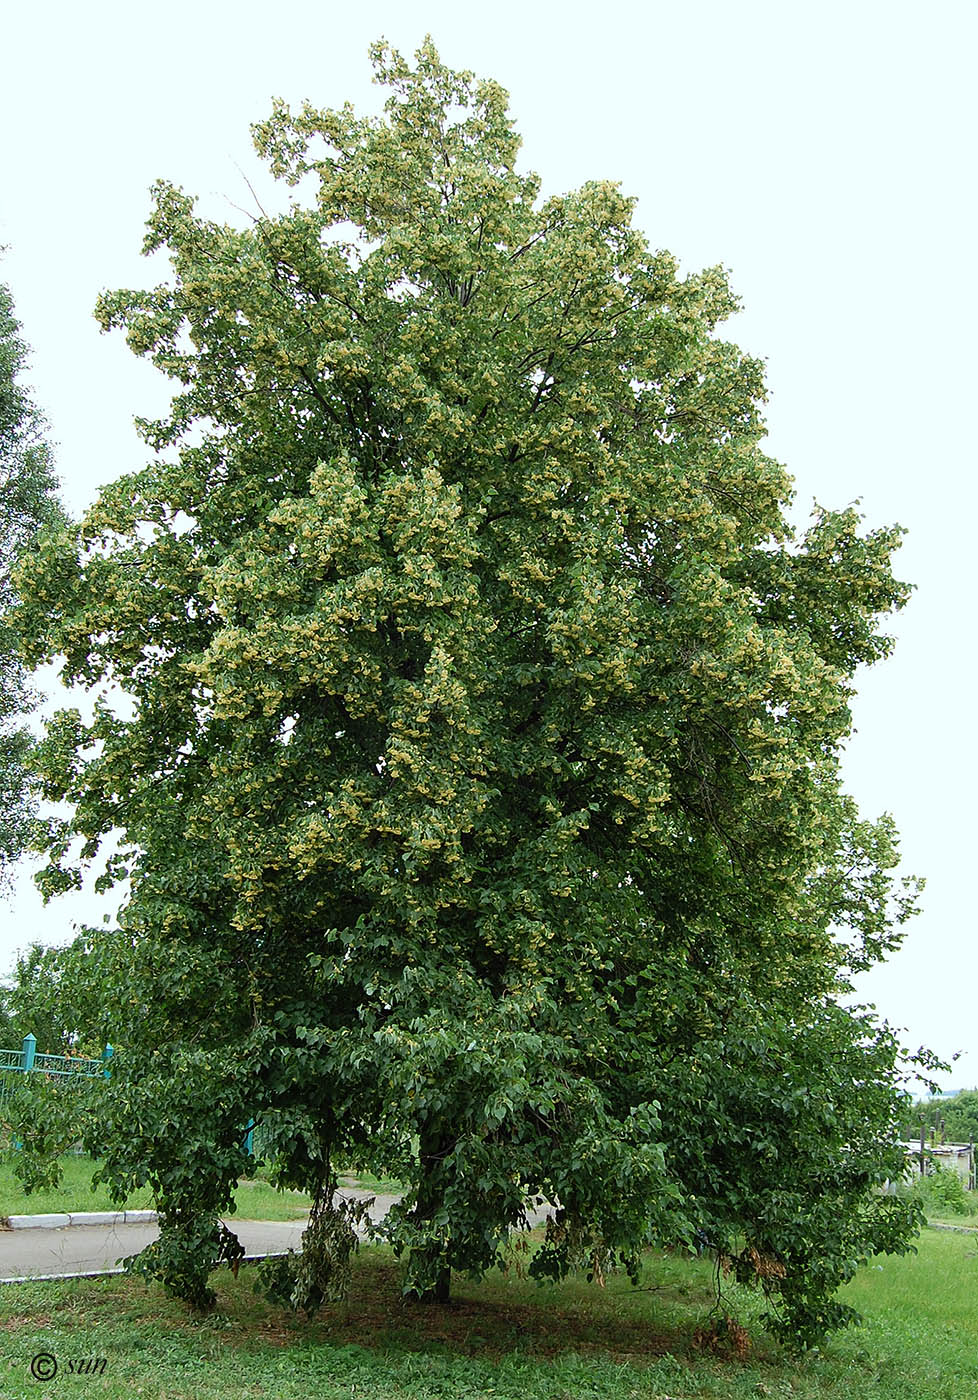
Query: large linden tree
x=477, y=775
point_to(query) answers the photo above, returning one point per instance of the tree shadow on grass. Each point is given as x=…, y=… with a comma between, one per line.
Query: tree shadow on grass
x=503, y=1315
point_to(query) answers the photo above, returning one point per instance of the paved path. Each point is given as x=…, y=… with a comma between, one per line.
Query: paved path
x=91, y=1249
x=96, y=1249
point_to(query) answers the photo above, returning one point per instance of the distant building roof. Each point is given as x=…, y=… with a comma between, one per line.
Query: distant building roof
x=940, y=1149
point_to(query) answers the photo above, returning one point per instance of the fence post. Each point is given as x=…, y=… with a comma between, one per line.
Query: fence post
x=107, y=1054
x=28, y=1050
x=249, y=1136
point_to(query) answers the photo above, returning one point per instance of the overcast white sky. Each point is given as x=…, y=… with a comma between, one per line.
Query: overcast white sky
x=824, y=153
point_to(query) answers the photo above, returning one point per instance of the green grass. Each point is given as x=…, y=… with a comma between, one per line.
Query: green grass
x=256, y=1200
x=506, y=1338
x=923, y=1317
x=383, y=1185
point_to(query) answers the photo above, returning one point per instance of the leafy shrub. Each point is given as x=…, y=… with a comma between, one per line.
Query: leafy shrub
x=943, y=1193
x=322, y=1271
x=42, y=1119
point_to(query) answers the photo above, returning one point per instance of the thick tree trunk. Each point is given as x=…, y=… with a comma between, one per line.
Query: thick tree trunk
x=442, y=1288
x=433, y=1149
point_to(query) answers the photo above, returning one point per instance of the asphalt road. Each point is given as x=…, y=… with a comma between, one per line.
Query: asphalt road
x=91, y=1249
x=95, y=1249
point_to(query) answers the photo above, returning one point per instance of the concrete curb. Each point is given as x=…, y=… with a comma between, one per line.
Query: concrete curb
x=63, y=1220
x=79, y=1217
x=111, y=1273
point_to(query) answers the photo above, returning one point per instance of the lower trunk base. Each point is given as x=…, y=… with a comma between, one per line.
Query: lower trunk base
x=440, y=1291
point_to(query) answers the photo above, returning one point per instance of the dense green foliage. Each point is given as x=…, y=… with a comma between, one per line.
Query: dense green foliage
x=478, y=778
x=27, y=501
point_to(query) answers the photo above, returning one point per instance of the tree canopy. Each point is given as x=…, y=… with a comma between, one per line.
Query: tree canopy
x=478, y=778
x=27, y=501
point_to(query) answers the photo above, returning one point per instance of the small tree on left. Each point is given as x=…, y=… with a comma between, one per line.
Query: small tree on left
x=28, y=502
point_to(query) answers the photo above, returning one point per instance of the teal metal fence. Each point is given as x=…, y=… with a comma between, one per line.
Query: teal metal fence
x=26, y=1060
x=16, y=1063
x=65, y=1067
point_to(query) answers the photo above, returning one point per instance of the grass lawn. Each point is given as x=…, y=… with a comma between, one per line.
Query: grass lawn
x=383, y=1185
x=505, y=1338
x=256, y=1200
